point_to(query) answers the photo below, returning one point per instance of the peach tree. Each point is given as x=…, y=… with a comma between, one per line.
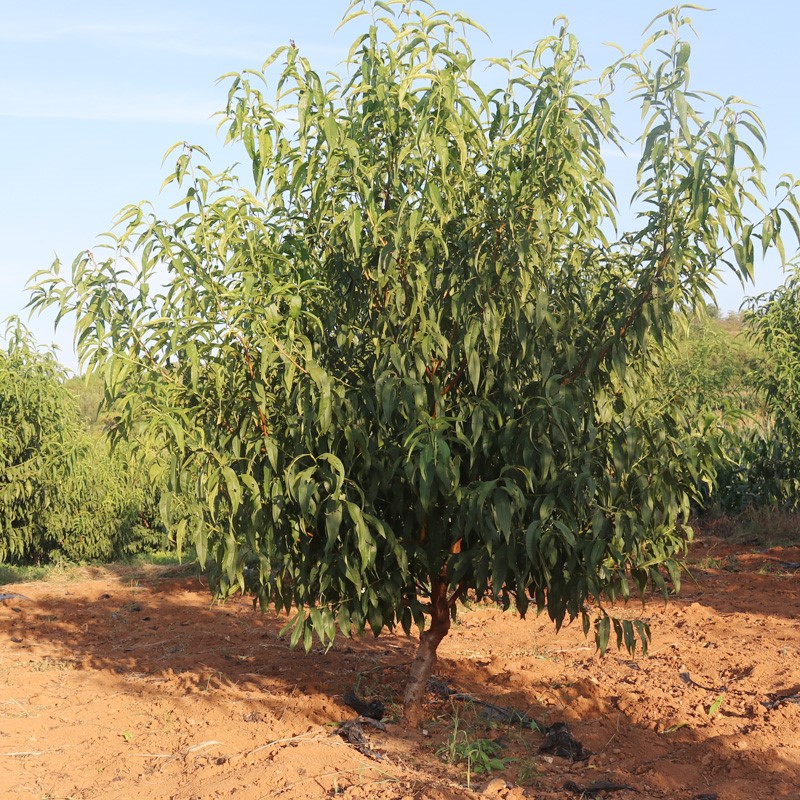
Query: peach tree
x=63, y=495
x=766, y=472
x=39, y=429
x=405, y=361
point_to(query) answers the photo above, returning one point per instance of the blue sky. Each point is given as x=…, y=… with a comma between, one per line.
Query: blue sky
x=93, y=93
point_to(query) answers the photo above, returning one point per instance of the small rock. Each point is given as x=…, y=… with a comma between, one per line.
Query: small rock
x=495, y=786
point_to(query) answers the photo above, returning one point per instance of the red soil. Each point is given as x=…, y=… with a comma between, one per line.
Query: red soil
x=124, y=684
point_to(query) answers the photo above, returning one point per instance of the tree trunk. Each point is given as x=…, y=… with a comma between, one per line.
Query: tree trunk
x=426, y=653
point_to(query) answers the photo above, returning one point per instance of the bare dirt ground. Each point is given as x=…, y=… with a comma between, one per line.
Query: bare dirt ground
x=124, y=684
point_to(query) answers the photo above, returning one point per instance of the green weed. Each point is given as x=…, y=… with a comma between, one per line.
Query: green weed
x=481, y=756
x=714, y=708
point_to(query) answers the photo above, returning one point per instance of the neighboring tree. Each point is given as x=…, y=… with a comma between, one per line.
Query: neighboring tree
x=767, y=472
x=107, y=509
x=711, y=371
x=773, y=320
x=88, y=391
x=39, y=431
x=407, y=367
x=63, y=495
x=713, y=366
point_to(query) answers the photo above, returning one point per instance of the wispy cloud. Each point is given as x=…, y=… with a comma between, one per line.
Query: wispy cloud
x=41, y=32
x=185, y=115
x=253, y=53
x=162, y=38
x=100, y=106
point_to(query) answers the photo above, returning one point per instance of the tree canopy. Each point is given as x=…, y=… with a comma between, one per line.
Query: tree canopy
x=410, y=362
x=38, y=431
x=63, y=495
x=767, y=473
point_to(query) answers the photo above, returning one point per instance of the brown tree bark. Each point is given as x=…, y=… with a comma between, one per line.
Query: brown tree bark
x=426, y=653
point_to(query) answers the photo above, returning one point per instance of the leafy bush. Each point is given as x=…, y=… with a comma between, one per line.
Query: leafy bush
x=711, y=367
x=88, y=392
x=761, y=470
x=746, y=373
x=40, y=442
x=708, y=371
x=110, y=508
x=774, y=322
x=63, y=493
x=767, y=470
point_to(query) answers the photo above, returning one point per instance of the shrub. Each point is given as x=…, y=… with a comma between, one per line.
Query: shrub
x=63, y=493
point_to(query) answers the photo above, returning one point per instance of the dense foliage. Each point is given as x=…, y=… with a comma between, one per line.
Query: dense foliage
x=741, y=375
x=108, y=507
x=774, y=322
x=767, y=470
x=709, y=372
x=63, y=495
x=39, y=429
x=411, y=364
x=712, y=367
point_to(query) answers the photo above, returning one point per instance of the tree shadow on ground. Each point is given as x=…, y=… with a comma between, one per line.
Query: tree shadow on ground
x=159, y=640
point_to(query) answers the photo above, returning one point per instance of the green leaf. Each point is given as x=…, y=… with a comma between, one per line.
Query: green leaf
x=502, y=514
x=601, y=633
x=233, y=487
x=714, y=708
x=474, y=367
x=435, y=196
x=304, y=489
x=333, y=521
x=331, y=128
x=684, y=52
x=355, y=231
